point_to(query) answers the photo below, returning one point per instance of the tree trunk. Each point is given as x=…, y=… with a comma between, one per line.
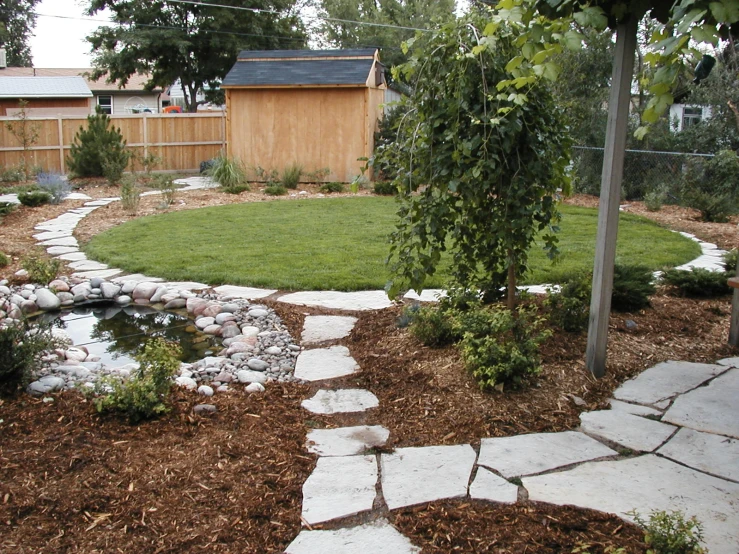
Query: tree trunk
x=511, y=285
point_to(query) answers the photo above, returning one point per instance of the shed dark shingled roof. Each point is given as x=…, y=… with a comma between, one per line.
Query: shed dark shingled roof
x=273, y=70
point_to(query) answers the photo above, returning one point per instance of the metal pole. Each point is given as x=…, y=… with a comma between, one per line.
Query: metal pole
x=610, y=195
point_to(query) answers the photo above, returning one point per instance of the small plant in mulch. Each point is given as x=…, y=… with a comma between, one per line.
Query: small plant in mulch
x=696, y=283
x=4, y=259
x=731, y=259
x=144, y=395
x=275, y=190
x=431, y=325
x=41, y=270
x=34, y=198
x=569, y=307
x=130, y=195
x=228, y=172
x=328, y=188
x=291, y=176
x=165, y=184
x=670, y=533
x=632, y=287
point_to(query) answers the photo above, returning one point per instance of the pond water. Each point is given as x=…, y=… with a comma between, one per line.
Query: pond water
x=116, y=334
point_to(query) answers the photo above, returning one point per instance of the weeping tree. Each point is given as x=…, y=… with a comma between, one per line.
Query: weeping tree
x=477, y=169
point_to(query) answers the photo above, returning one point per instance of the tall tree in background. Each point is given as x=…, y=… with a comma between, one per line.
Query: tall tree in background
x=17, y=20
x=195, y=44
x=413, y=14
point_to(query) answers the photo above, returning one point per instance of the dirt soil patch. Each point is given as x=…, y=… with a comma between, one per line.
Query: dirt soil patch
x=73, y=481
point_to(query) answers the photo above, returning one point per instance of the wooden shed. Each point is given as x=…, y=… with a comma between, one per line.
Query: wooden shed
x=317, y=108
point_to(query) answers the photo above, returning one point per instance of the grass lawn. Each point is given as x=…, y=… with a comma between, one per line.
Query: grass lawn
x=334, y=244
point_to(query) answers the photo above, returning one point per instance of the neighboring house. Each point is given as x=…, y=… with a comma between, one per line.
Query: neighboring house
x=316, y=108
x=45, y=95
x=107, y=96
x=683, y=116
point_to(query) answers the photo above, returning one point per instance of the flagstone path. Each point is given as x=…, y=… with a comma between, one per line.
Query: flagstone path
x=669, y=442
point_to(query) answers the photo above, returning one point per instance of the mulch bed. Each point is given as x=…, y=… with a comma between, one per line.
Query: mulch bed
x=73, y=481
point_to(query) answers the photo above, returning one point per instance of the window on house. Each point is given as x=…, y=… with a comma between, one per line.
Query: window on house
x=691, y=116
x=105, y=103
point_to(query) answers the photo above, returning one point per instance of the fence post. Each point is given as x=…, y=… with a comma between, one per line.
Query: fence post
x=146, y=135
x=60, y=128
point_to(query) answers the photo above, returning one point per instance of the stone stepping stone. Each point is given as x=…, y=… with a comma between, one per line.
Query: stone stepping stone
x=56, y=250
x=102, y=273
x=88, y=265
x=182, y=285
x=378, y=537
x=644, y=484
x=666, y=380
x=636, y=409
x=50, y=235
x=319, y=328
x=77, y=196
x=339, y=487
x=11, y=198
x=63, y=241
x=325, y=363
x=707, y=452
x=136, y=278
x=713, y=409
x=346, y=441
x=83, y=211
x=352, y=301
x=98, y=203
x=424, y=474
x=247, y=293
x=73, y=256
x=729, y=362
x=536, y=453
x=489, y=486
x=340, y=401
x=631, y=431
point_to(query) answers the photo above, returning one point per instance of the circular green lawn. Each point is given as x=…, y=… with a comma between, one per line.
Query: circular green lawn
x=335, y=244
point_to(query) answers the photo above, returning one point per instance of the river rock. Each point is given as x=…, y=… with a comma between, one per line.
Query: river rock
x=212, y=310
x=157, y=296
x=205, y=409
x=255, y=387
x=230, y=331
x=187, y=382
x=81, y=289
x=223, y=377
x=175, y=304
x=47, y=300
x=223, y=317
x=203, y=322
x=273, y=351
x=75, y=355
x=250, y=331
x=66, y=298
x=257, y=312
x=59, y=285
x=123, y=300
x=257, y=365
x=205, y=390
x=109, y=290
x=246, y=376
x=212, y=329
x=144, y=291
x=29, y=307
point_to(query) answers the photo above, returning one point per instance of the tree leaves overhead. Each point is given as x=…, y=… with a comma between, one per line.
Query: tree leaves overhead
x=17, y=20
x=193, y=43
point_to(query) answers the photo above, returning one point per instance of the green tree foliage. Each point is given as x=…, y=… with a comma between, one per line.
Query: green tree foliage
x=478, y=170
x=97, y=148
x=195, y=44
x=712, y=186
x=17, y=20
x=389, y=14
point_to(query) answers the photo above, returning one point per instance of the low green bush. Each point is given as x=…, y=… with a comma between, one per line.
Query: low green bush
x=21, y=347
x=570, y=307
x=275, y=190
x=41, y=270
x=114, y=163
x=227, y=172
x=698, y=283
x=500, y=348
x=130, y=195
x=236, y=189
x=7, y=208
x=670, y=533
x=731, y=259
x=34, y=198
x=385, y=188
x=291, y=176
x=4, y=260
x=144, y=395
x=329, y=188
x=12, y=174
x=432, y=326
x=632, y=287
x=165, y=184
x=654, y=199
x=712, y=186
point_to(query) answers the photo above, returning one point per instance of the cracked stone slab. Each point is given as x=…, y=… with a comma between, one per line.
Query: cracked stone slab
x=729, y=362
x=319, y=328
x=707, y=452
x=183, y=285
x=636, y=409
x=247, y=293
x=424, y=474
x=538, y=452
x=665, y=380
x=629, y=430
x=102, y=273
x=339, y=487
x=340, y=401
x=325, y=363
x=56, y=250
x=73, y=256
x=644, y=484
x=352, y=301
x=378, y=537
x=50, y=235
x=63, y=241
x=88, y=265
x=713, y=409
x=346, y=441
x=489, y=486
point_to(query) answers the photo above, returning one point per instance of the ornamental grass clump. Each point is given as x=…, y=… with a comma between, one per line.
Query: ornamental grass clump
x=291, y=176
x=229, y=173
x=55, y=185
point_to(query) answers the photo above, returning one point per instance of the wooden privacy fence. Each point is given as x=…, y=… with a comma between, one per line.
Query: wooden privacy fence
x=182, y=141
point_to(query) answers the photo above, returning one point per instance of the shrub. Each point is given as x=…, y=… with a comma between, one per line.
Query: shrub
x=699, y=282
x=21, y=347
x=318, y=175
x=114, y=164
x=41, y=270
x=34, y=198
x=432, y=326
x=6, y=208
x=385, y=188
x=291, y=176
x=328, y=188
x=671, y=533
x=632, y=287
x=654, y=199
x=4, y=260
x=570, y=307
x=12, y=174
x=54, y=184
x=269, y=176
x=227, y=172
x=712, y=186
x=501, y=348
x=95, y=146
x=236, y=189
x=130, y=196
x=275, y=190
x=165, y=184
x=144, y=395
x=731, y=259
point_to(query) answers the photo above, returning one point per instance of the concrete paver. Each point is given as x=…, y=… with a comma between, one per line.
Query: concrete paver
x=488, y=486
x=325, y=363
x=714, y=454
x=378, y=537
x=320, y=328
x=631, y=431
x=340, y=401
x=346, y=441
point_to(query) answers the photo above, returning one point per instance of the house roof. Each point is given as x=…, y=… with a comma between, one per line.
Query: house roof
x=135, y=83
x=301, y=67
x=44, y=87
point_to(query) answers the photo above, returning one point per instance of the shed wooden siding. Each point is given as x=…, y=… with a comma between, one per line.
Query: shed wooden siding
x=12, y=104
x=314, y=127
